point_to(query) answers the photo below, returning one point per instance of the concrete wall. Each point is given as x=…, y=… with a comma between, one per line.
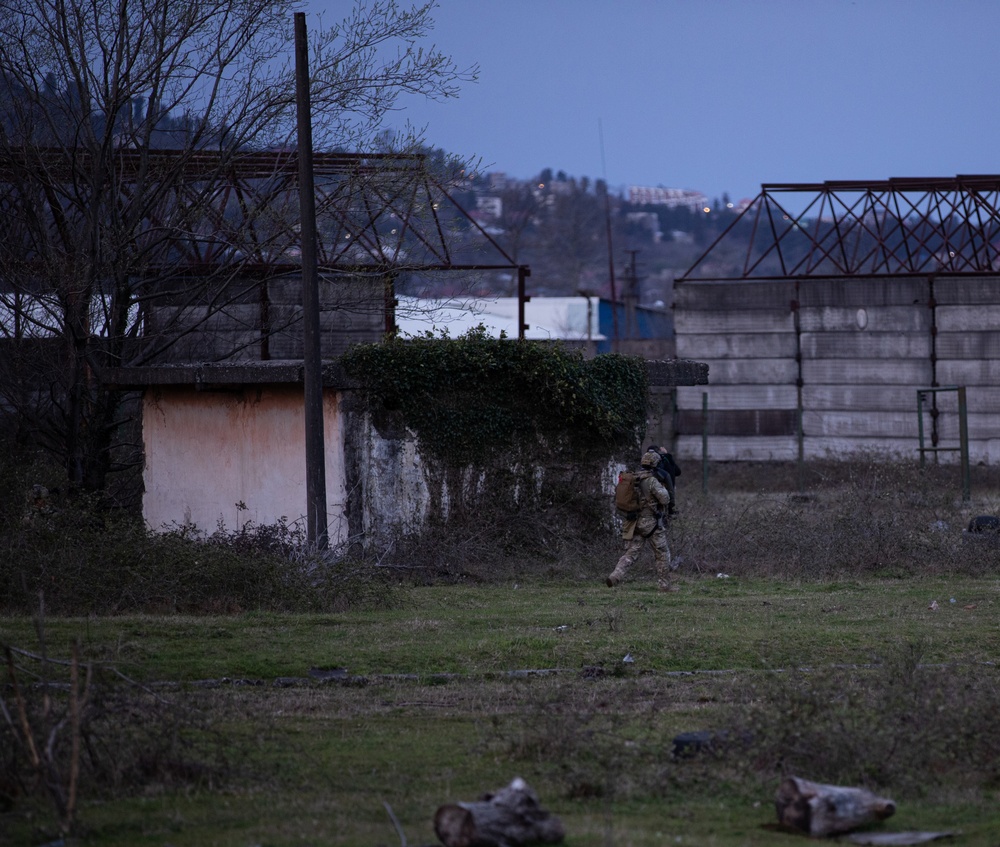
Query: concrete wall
x=847, y=357
x=206, y=451
x=218, y=435
x=253, y=320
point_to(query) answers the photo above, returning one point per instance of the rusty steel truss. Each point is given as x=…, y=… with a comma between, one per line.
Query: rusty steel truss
x=374, y=211
x=894, y=227
x=204, y=212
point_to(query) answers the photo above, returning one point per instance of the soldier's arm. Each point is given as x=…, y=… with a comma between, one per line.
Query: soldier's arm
x=662, y=495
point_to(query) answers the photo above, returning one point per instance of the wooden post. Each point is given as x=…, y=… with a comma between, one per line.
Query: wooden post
x=704, y=442
x=312, y=364
x=963, y=443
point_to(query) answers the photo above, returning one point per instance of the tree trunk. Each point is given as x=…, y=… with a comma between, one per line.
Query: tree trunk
x=509, y=818
x=821, y=810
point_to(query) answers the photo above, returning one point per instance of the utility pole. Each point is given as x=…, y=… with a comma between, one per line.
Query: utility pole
x=611, y=250
x=631, y=295
x=312, y=364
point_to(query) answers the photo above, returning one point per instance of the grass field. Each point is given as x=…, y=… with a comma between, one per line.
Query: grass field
x=852, y=638
x=450, y=691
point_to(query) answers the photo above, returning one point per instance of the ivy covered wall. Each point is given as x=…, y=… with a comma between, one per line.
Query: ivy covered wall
x=453, y=429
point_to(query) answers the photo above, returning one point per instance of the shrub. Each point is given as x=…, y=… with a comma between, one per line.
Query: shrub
x=901, y=726
x=83, y=559
x=474, y=396
x=866, y=516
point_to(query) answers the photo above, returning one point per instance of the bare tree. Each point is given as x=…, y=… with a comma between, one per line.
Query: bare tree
x=518, y=214
x=127, y=178
x=570, y=241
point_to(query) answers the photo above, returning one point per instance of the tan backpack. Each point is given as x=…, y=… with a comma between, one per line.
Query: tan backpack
x=628, y=497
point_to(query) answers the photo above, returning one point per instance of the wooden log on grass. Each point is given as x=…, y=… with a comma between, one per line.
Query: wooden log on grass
x=509, y=817
x=821, y=810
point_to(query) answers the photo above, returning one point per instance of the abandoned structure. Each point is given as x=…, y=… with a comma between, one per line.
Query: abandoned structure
x=223, y=407
x=857, y=319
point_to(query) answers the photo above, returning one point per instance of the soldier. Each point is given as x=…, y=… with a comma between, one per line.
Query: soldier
x=666, y=471
x=655, y=498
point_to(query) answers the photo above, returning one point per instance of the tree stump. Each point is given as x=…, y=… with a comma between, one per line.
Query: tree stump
x=509, y=817
x=820, y=810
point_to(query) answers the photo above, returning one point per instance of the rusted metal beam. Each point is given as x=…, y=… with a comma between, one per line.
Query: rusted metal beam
x=374, y=211
x=896, y=227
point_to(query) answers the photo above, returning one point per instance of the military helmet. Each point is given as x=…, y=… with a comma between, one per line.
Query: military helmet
x=650, y=459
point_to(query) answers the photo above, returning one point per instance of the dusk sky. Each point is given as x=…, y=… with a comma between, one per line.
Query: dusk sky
x=721, y=95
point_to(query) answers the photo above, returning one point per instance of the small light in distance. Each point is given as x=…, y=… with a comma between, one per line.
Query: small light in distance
x=706, y=210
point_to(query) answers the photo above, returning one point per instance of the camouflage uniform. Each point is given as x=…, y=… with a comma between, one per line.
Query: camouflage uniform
x=648, y=526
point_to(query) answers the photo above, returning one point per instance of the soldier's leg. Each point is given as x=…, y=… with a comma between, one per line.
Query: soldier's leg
x=661, y=552
x=632, y=549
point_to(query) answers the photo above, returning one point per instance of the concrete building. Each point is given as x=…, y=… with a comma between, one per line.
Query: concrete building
x=225, y=444
x=847, y=327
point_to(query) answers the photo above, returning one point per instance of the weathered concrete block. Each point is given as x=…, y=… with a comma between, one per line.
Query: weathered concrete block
x=694, y=323
x=865, y=345
x=866, y=372
x=873, y=319
x=748, y=345
x=677, y=372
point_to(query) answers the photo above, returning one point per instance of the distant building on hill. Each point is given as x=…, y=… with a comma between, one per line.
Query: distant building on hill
x=672, y=198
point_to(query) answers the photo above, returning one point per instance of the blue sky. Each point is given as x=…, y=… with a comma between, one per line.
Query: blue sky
x=721, y=95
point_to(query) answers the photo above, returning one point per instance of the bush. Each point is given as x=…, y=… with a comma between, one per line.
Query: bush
x=95, y=736
x=474, y=396
x=901, y=726
x=83, y=559
x=866, y=516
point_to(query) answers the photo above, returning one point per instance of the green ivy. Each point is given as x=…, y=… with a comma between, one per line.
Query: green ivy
x=476, y=395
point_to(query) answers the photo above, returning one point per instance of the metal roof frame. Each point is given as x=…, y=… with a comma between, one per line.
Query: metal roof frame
x=376, y=211
x=910, y=226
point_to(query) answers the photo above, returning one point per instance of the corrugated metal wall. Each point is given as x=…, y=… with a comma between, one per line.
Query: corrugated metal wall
x=847, y=357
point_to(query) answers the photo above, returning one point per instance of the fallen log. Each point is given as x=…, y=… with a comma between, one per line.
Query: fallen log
x=509, y=817
x=821, y=810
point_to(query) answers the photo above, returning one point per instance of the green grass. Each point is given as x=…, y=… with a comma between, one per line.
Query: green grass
x=712, y=624
x=314, y=764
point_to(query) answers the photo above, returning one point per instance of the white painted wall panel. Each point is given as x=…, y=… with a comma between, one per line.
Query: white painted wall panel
x=854, y=397
x=695, y=323
x=727, y=448
x=968, y=345
x=852, y=425
x=977, y=318
x=865, y=345
x=968, y=372
x=751, y=371
x=207, y=451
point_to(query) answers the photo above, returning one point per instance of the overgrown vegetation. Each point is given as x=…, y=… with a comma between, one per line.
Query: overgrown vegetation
x=900, y=725
x=905, y=725
x=475, y=398
x=870, y=516
x=88, y=557
x=831, y=650
x=434, y=704
x=74, y=730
